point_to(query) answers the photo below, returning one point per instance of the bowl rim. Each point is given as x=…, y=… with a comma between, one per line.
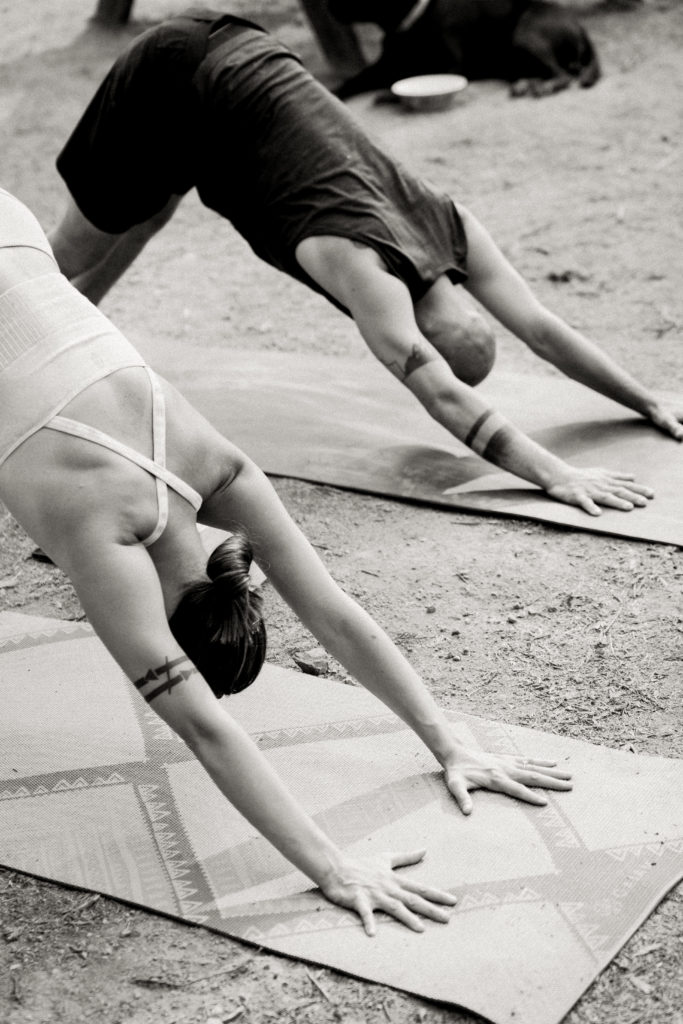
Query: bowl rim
x=449, y=84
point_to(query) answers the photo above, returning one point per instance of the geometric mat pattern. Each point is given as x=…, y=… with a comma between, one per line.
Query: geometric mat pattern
x=96, y=792
x=348, y=423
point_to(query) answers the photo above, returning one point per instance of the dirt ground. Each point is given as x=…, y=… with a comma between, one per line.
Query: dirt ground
x=574, y=633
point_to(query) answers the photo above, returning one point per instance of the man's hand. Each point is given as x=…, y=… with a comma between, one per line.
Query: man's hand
x=590, y=488
x=514, y=776
x=667, y=420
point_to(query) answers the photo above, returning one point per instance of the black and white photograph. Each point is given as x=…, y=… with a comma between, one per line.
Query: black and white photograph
x=341, y=512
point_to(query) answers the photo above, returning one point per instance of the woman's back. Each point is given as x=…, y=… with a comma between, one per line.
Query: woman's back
x=62, y=488
x=65, y=370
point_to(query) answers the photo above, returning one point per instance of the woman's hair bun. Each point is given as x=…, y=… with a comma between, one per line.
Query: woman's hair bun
x=228, y=569
x=228, y=566
x=219, y=621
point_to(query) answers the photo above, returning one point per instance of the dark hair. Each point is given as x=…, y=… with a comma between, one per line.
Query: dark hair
x=219, y=622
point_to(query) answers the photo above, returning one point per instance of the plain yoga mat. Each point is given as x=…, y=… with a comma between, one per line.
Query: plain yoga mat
x=96, y=792
x=349, y=423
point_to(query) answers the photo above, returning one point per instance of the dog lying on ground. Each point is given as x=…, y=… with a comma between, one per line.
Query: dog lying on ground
x=535, y=45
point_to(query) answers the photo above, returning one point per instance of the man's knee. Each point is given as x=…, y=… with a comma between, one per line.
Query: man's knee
x=468, y=346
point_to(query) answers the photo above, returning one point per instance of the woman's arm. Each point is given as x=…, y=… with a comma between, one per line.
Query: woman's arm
x=352, y=637
x=500, y=289
x=120, y=593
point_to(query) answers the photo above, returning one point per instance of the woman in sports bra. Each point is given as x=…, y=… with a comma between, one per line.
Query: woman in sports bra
x=109, y=469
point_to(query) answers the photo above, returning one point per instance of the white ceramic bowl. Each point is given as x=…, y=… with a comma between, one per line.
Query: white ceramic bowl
x=429, y=92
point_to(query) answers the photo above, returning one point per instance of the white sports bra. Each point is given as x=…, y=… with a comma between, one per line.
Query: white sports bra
x=54, y=343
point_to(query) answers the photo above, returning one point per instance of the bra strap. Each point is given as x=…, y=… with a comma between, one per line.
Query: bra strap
x=162, y=475
x=158, y=455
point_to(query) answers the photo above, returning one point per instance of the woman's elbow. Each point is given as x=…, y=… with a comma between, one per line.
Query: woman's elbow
x=200, y=733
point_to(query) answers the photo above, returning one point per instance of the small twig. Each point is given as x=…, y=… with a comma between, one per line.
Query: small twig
x=485, y=683
x=15, y=987
x=155, y=983
x=320, y=988
x=86, y=902
x=648, y=949
x=233, y=969
x=234, y=1015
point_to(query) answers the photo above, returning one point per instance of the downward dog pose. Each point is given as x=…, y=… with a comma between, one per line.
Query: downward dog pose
x=109, y=469
x=215, y=102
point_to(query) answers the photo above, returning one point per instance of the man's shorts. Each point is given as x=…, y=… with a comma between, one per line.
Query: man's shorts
x=265, y=144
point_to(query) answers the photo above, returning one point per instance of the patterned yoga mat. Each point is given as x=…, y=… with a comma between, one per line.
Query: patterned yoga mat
x=96, y=792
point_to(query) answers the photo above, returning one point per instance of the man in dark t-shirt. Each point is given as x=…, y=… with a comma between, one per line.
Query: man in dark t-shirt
x=216, y=103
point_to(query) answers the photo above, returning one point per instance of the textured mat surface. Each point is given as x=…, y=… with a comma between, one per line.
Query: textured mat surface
x=96, y=792
x=349, y=423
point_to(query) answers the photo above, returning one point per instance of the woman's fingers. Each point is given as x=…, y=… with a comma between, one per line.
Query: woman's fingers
x=426, y=908
x=457, y=785
x=510, y=787
x=588, y=505
x=429, y=893
x=669, y=421
x=516, y=777
x=543, y=771
x=397, y=908
x=552, y=778
x=372, y=884
x=544, y=781
x=363, y=908
x=635, y=497
x=529, y=762
x=614, y=501
x=404, y=860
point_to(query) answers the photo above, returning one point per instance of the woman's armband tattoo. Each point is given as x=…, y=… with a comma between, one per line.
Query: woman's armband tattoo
x=484, y=430
x=164, y=678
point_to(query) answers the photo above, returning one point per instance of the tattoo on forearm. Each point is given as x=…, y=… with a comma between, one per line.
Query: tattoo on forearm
x=476, y=427
x=419, y=356
x=498, y=448
x=167, y=676
x=483, y=431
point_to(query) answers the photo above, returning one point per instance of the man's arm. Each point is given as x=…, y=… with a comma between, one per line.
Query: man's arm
x=383, y=311
x=504, y=293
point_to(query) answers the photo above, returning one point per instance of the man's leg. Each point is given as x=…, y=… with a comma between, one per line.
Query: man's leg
x=94, y=260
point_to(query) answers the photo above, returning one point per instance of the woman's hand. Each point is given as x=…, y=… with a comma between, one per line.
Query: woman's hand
x=501, y=773
x=590, y=488
x=668, y=420
x=366, y=884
